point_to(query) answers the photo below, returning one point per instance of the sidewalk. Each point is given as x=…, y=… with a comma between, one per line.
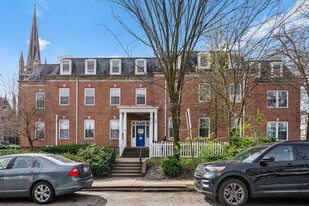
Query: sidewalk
x=139, y=184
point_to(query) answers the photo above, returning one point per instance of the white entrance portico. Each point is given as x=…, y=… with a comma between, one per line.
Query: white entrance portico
x=153, y=124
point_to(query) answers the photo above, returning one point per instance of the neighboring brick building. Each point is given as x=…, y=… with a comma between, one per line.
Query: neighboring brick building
x=102, y=100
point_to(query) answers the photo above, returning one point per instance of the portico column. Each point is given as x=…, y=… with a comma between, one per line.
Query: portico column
x=125, y=128
x=151, y=128
x=120, y=128
x=156, y=126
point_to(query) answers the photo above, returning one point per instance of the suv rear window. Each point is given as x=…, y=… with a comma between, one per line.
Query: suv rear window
x=57, y=159
x=303, y=151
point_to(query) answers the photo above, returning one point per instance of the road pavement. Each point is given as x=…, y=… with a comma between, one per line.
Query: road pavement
x=88, y=198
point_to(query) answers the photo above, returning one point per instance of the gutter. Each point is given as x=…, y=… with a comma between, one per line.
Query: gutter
x=76, y=106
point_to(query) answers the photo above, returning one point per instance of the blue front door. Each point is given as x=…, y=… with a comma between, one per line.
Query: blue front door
x=140, y=136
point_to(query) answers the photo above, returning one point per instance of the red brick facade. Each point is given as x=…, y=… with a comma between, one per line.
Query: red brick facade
x=102, y=112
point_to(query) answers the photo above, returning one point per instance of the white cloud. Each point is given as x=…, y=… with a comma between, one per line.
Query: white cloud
x=293, y=18
x=43, y=43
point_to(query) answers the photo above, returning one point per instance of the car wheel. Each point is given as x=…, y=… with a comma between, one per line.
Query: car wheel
x=43, y=193
x=233, y=192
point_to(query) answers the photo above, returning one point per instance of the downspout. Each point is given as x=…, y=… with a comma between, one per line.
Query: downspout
x=165, y=109
x=76, y=105
x=56, y=136
x=244, y=108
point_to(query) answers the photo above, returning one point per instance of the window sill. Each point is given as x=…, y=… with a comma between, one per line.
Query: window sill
x=64, y=105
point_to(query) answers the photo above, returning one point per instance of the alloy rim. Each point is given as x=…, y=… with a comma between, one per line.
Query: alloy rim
x=42, y=193
x=234, y=193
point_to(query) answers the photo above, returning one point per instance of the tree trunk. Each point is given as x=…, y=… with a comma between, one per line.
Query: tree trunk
x=307, y=128
x=216, y=117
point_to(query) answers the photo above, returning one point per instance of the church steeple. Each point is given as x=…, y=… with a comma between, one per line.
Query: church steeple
x=21, y=63
x=34, y=57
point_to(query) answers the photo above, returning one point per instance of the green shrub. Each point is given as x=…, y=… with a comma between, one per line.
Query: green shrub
x=61, y=149
x=171, y=166
x=12, y=151
x=98, y=158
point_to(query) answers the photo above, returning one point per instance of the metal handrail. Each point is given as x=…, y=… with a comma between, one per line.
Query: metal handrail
x=140, y=156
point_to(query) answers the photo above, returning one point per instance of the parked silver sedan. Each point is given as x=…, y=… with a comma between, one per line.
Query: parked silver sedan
x=42, y=176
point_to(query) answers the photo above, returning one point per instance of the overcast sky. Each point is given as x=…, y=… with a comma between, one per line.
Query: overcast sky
x=66, y=27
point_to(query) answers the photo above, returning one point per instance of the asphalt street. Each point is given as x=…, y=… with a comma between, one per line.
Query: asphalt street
x=145, y=199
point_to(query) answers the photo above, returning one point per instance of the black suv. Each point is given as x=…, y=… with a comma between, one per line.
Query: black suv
x=279, y=169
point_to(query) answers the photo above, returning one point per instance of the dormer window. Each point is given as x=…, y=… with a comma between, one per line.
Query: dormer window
x=66, y=67
x=140, y=66
x=90, y=66
x=276, y=69
x=115, y=66
x=257, y=67
x=203, y=60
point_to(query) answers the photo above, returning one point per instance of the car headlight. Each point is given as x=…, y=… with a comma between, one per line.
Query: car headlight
x=209, y=168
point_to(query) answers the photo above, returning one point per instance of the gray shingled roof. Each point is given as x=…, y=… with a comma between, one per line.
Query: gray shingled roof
x=127, y=67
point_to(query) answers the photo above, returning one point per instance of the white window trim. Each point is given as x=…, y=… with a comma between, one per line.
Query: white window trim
x=60, y=97
x=111, y=66
x=68, y=129
x=231, y=95
x=136, y=67
x=93, y=129
x=93, y=96
x=36, y=100
x=272, y=64
x=35, y=131
x=277, y=129
x=86, y=66
x=259, y=68
x=277, y=99
x=70, y=67
x=199, y=60
x=199, y=99
x=110, y=97
x=110, y=134
x=230, y=55
x=145, y=96
x=199, y=127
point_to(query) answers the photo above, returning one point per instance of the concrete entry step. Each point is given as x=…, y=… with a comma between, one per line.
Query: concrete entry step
x=127, y=167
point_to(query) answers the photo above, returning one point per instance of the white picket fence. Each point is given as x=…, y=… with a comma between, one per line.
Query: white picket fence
x=158, y=149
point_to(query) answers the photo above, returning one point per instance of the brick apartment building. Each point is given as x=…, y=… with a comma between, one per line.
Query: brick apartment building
x=102, y=100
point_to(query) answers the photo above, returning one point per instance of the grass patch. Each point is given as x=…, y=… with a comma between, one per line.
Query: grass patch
x=154, y=161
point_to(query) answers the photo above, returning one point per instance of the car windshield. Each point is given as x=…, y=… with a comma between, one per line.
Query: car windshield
x=249, y=155
x=57, y=158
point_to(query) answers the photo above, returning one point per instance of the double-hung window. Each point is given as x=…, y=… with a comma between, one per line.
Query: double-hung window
x=63, y=129
x=114, y=129
x=64, y=96
x=40, y=130
x=140, y=66
x=89, y=96
x=233, y=92
x=141, y=96
x=278, y=130
x=40, y=100
x=203, y=60
x=170, y=128
x=277, y=99
x=89, y=129
x=66, y=67
x=276, y=69
x=115, y=66
x=204, y=127
x=115, y=96
x=90, y=66
x=204, y=92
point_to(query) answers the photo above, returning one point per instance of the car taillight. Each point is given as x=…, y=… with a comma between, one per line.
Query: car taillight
x=74, y=172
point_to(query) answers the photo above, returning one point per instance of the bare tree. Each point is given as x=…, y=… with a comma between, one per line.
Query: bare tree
x=9, y=122
x=232, y=64
x=172, y=30
x=293, y=39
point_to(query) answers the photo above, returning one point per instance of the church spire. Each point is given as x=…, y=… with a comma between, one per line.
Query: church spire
x=34, y=57
x=21, y=63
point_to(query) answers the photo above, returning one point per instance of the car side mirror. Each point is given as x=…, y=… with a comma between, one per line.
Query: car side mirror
x=268, y=159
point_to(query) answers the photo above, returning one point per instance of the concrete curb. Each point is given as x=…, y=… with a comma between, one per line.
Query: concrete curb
x=141, y=189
